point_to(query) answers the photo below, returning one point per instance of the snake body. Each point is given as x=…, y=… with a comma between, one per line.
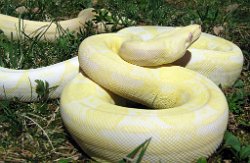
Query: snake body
x=190, y=112
x=16, y=28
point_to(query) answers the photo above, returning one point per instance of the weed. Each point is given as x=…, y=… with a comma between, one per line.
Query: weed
x=241, y=152
x=131, y=157
x=201, y=160
x=236, y=100
x=43, y=90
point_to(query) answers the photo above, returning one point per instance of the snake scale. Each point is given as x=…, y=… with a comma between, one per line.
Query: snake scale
x=174, y=70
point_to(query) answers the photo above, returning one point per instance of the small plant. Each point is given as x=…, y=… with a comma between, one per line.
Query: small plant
x=241, y=152
x=43, y=90
x=111, y=22
x=88, y=30
x=201, y=160
x=237, y=98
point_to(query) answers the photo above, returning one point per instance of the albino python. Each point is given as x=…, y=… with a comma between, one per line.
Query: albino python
x=164, y=68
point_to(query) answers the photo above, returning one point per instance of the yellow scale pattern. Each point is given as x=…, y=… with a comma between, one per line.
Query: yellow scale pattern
x=190, y=112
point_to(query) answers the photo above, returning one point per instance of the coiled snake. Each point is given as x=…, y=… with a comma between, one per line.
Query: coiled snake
x=164, y=68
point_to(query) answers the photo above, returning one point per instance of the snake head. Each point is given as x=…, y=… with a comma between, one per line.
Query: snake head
x=180, y=39
x=194, y=32
x=164, y=48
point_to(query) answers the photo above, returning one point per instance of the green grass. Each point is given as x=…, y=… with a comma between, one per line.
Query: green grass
x=26, y=53
x=33, y=132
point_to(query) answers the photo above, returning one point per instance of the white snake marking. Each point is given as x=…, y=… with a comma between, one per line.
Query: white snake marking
x=190, y=114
